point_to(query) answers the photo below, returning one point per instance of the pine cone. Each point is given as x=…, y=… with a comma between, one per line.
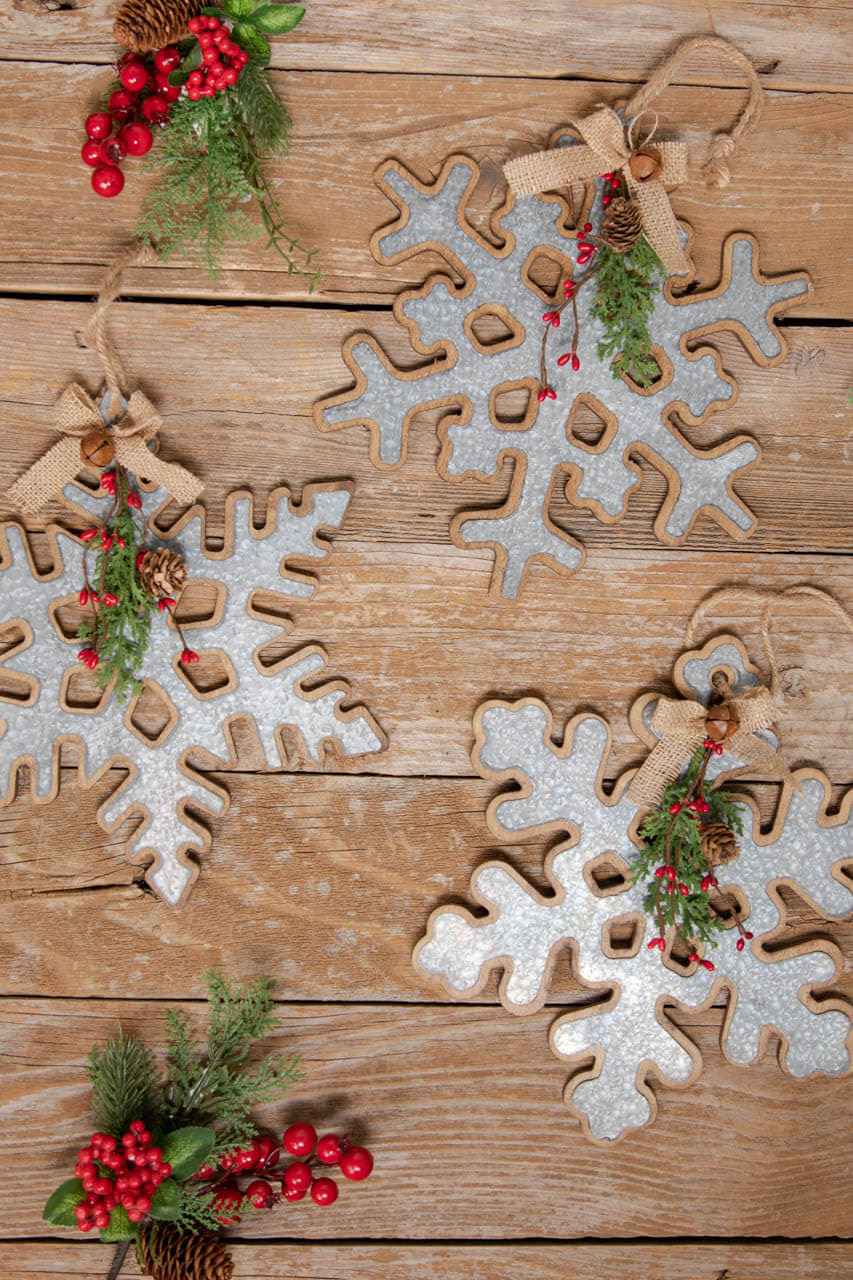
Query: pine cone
x=163, y=572
x=168, y=1253
x=623, y=225
x=143, y=25
x=719, y=844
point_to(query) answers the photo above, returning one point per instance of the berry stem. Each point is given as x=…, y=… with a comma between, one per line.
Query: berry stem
x=119, y=1256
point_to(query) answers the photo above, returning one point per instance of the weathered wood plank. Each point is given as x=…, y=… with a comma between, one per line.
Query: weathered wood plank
x=794, y=44
x=817, y=1260
x=326, y=882
x=462, y=1109
x=53, y=226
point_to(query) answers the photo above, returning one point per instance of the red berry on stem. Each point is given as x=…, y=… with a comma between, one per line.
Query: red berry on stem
x=99, y=124
x=112, y=150
x=165, y=1169
x=576, y=364
x=294, y=1193
x=134, y=75
x=188, y=656
x=195, y=25
x=259, y=1193
x=137, y=139
x=226, y=1202
x=91, y=152
x=297, y=1176
x=324, y=1191
x=171, y=92
x=356, y=1164
x=740, y=944
x=156, y=109
x=167, y=59
x=107, y=180
x=299, y=1139
x=329, y=1149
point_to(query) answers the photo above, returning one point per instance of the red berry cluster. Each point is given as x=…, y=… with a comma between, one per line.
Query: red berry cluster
x=297, y=1178
x=611, y=186
x=138, y=1170
x=222, y=59
x=125, y=128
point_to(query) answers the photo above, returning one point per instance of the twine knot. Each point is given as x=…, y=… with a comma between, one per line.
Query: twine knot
x=77, y=417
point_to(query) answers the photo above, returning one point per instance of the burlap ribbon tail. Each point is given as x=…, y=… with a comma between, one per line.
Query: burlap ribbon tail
x=77, y=415
x=605, y=149
x=681, y=727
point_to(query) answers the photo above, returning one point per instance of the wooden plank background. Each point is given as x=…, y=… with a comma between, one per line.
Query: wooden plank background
x=324, y=875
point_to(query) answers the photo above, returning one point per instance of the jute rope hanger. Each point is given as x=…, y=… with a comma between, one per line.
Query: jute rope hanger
x=608, y=145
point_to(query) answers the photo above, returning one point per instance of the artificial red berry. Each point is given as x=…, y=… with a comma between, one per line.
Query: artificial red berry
x=329, y=1149
x=195, y=25
x=81, y=1211
x=143, y=1203
x=259, y=1193
x=112, y=150
x=171, y=92
x=206, y=1171
x=297, y=1176
x=135, y=1215
x=110, y=601
x=659, y=943
x=294, y=1193
x=136, y=138
x=356, y=1164
x=134, y=75
x=299, y=1139
x=167, y=59
x=134, y=500
x=99, y=124
x=156, y=109
x=90, y=152
x=262, y=1148
x=324, y=1191
x=164, y=1170
x=226, y=1202
x=188, y=656
x=107, y=180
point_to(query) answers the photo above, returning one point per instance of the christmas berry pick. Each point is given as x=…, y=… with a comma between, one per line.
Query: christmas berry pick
x=176, y=1158
x=196, y=76
x=642, y=912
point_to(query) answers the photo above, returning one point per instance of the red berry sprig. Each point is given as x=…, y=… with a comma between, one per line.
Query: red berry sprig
x=122, y=1171
x=222, y=59
x=587, y=248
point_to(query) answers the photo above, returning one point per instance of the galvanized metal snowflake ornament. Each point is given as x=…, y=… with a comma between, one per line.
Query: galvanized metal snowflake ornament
x=470, y=374
x=162, y=778
x=598, y=914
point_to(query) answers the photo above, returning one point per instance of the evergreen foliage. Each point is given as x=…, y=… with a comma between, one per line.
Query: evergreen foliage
x=676, y=840
x=625, y=288
x=125, y=1084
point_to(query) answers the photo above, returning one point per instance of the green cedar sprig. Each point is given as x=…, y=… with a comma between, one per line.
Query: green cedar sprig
x=125, y=1084
x=625, y=286
x=676, y=840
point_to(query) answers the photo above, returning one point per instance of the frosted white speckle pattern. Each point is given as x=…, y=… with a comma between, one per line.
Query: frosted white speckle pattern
x=524, y=930
x=698, y=480
x=158, y=778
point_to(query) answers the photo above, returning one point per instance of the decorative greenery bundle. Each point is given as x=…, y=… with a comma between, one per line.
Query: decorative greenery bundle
x=690, y=832
x=199, y=73
x=164, y=1166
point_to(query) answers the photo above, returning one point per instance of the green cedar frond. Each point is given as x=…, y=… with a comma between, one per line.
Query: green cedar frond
x=124, y=1081
x=625, y=286
x=264, y=114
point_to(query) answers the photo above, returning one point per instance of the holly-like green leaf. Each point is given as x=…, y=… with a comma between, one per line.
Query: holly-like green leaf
x=59, y=1209
x=187, y=1149
x=255, y=44
x=275, y=19
x=166, y=1204
x=238, y=9
x=119, y=1227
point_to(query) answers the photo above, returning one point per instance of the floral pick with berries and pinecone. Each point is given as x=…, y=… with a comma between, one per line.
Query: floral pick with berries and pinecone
x=197, y=76
x=177, y=1156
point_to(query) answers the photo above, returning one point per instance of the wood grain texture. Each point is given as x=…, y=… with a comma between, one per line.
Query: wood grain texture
x=53, y=227
x=324, y=882
x=817, y=1260
x=794, y=43
x=462, y=1109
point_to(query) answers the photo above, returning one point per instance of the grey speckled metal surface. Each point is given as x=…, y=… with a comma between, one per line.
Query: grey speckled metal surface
x=157, y=780
x=525, y=929
x=697, y=480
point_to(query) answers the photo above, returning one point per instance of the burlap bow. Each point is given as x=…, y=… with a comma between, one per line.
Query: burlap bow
x=606, y=149
x=77, y=415
x=682, y=726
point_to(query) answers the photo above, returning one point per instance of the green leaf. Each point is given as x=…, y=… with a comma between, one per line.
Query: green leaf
x=238, y=9
x=187, y=1149
x=275, y=19
x=59, y=1209
x=166, y=1204
x=250, y=39
x=119, y=1227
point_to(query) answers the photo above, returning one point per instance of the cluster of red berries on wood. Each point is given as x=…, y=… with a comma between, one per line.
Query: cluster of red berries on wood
x=122, y=1171
x=297, y=1179
x=125, y=128
x=221, y=59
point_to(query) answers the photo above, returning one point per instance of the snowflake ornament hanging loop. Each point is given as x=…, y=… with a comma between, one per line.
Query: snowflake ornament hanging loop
x=556, y=785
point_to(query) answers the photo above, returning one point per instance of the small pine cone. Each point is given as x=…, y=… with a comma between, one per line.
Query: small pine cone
x=167, y=1253
x=163, y=572
x=144, y=25
x=719, y=844
x=623, y=225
